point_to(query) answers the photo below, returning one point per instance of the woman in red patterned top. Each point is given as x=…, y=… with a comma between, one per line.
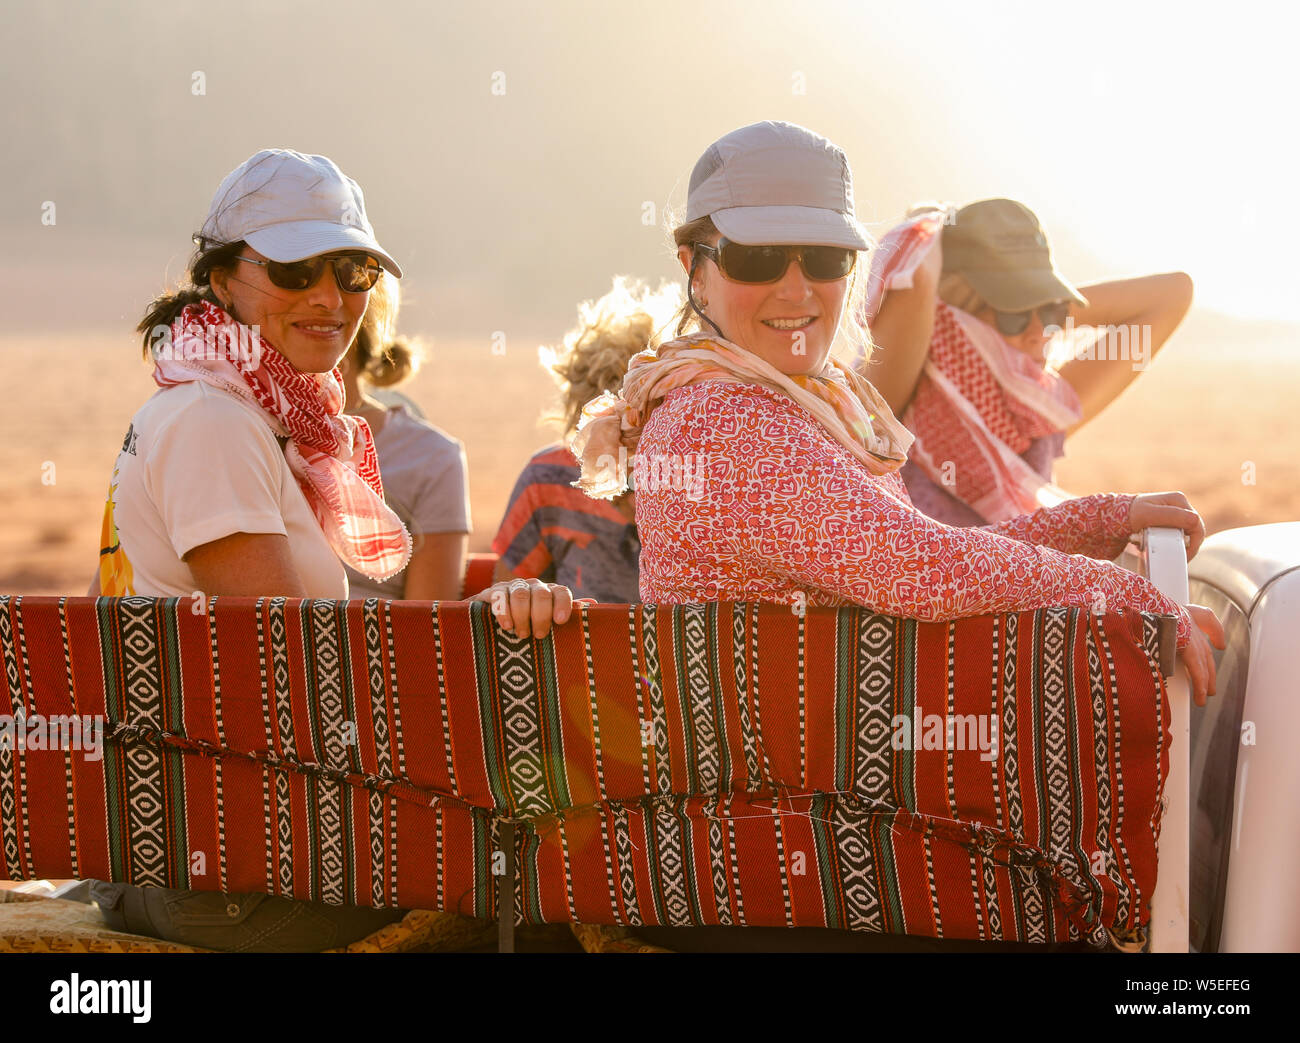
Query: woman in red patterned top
x=766, y=470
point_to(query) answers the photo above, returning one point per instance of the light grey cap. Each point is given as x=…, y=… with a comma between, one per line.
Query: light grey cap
x=777, y=183
x=289, y=206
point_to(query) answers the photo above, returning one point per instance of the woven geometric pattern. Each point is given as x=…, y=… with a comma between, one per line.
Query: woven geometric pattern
x=993, y=778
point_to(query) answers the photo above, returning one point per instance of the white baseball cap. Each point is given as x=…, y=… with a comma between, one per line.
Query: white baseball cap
x=288, y=207
x=777, y=183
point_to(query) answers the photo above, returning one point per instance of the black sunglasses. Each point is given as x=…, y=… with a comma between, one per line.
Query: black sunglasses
x=1014, y=323
x=354, y=273
x=764, y=264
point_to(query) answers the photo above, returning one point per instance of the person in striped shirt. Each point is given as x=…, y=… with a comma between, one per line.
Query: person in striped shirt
x=551, y=530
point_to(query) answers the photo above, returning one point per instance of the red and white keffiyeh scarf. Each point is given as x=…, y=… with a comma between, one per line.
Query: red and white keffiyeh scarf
x=979, y=402
x=330, y=453
x=850, y=409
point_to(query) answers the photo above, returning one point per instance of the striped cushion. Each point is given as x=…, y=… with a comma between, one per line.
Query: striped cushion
x=717, y=764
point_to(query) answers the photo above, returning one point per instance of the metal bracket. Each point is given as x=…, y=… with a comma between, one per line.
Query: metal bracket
x=1168, y=632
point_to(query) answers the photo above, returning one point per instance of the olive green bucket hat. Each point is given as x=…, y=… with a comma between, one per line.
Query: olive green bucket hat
x=1001, y=249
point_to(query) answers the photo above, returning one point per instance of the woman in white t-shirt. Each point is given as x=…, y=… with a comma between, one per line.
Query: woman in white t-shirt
x=243, y=476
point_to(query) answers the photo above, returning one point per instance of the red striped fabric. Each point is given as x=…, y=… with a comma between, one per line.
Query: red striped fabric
x=718, y=764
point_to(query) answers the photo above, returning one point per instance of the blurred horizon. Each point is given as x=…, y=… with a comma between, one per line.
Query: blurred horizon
x=1144, y=143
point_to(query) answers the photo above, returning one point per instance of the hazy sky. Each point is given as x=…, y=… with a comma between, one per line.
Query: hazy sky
x=1145, y=140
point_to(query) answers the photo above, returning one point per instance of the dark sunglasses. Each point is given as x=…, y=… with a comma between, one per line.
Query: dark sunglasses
x=1014, y=323
x=763, y=264
x=355, y=273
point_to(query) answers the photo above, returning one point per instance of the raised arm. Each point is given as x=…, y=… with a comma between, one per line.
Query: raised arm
x=901, y=331
x=1132, y=307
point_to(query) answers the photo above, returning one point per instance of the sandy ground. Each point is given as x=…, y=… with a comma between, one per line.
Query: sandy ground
x=1215, y=409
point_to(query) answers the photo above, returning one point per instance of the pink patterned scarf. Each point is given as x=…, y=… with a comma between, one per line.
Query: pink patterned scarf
x=845, y=404
x=331, y=454
x=979, y=402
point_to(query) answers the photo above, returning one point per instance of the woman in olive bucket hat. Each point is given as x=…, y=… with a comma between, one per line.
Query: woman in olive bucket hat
x=962, y=305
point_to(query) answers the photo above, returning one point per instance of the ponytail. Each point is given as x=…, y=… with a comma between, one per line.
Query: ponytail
x=164, y=308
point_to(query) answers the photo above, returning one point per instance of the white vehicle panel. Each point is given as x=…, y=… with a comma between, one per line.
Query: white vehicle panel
x=1262, y=906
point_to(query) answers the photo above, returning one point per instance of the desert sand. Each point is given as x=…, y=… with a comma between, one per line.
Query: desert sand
x=1215, y=409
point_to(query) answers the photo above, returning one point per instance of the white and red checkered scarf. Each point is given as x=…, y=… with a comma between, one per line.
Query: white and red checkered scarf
x=330, y=453
x=979, y=402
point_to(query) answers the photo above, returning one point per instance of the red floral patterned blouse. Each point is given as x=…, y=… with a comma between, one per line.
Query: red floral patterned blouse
x=743, y=496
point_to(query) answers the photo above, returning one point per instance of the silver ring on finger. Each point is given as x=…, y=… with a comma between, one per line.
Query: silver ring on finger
x=519, y=586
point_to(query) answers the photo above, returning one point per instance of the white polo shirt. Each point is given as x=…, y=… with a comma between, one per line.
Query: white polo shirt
x=198, y=464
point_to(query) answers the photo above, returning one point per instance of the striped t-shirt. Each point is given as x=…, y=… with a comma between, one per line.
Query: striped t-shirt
x=559, y=534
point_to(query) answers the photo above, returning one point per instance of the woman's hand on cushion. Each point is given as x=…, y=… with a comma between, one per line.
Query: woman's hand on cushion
x=527, y=607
